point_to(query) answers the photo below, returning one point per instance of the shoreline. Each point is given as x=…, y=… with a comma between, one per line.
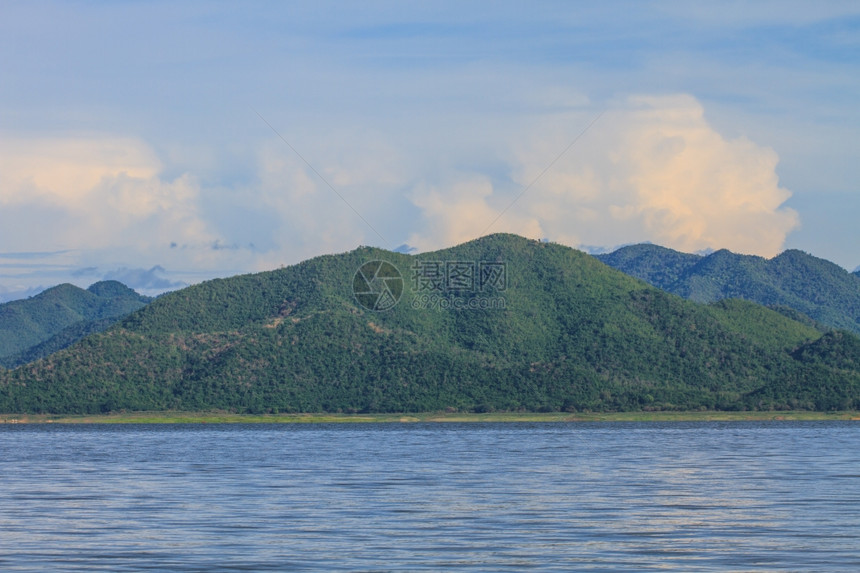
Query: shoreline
x=436, y=417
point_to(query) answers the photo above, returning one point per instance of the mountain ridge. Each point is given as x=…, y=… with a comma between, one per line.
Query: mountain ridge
x=564, y=332
x=793, y=279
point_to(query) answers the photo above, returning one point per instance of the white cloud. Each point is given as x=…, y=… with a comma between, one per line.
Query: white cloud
x=104, y=202
x=685, y=186
x=355, y=196
x=652, y=169
x=66, y=170
x=309, y=218
x=96, y=197
x=460, y=211
x=479, y=77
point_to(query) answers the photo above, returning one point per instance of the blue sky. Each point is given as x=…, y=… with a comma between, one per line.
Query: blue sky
x=151, y=142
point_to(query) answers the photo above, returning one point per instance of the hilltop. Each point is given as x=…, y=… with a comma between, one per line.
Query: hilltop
x=535, y=327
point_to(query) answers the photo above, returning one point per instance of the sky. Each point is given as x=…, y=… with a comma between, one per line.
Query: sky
x=166, y=143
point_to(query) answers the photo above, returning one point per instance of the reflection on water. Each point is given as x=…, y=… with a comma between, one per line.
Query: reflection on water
x=477, y=497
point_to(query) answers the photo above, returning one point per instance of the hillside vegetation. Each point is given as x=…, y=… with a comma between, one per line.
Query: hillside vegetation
x=793, y=280
x=57, y=317
x=563, y=332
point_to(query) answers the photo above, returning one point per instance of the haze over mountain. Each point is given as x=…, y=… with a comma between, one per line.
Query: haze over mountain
x=59, y=316
x=815, y=287
x=499, y=323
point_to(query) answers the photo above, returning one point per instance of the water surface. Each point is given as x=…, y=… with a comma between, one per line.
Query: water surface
x=704, y=496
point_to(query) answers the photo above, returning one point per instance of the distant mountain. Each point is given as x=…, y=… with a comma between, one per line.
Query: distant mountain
x=656, y=265
x=59, y=316
x=499, y=323
x=793, y=280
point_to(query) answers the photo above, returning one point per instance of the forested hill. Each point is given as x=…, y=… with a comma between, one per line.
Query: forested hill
x=499, y=323
x=57, y=317
x=815, y=287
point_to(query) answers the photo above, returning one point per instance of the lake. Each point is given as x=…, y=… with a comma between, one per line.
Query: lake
x=705, y=496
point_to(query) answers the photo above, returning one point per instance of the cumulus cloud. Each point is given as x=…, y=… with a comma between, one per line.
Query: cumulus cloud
x=104, y=202
x=686, y=186
x=351, y=199
x=652, y=169
x=93, y=194
x=97, y=201
x=66, y=170
x=460, y=211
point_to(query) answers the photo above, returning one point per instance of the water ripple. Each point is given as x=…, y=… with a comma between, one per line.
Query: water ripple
x=473, y=497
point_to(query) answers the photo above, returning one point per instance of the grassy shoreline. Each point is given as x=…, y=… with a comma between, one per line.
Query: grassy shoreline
x=441, y=417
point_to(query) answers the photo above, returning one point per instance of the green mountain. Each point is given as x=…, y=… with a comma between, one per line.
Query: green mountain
x=793, y=280
x=57, y=317
x=500, y=323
